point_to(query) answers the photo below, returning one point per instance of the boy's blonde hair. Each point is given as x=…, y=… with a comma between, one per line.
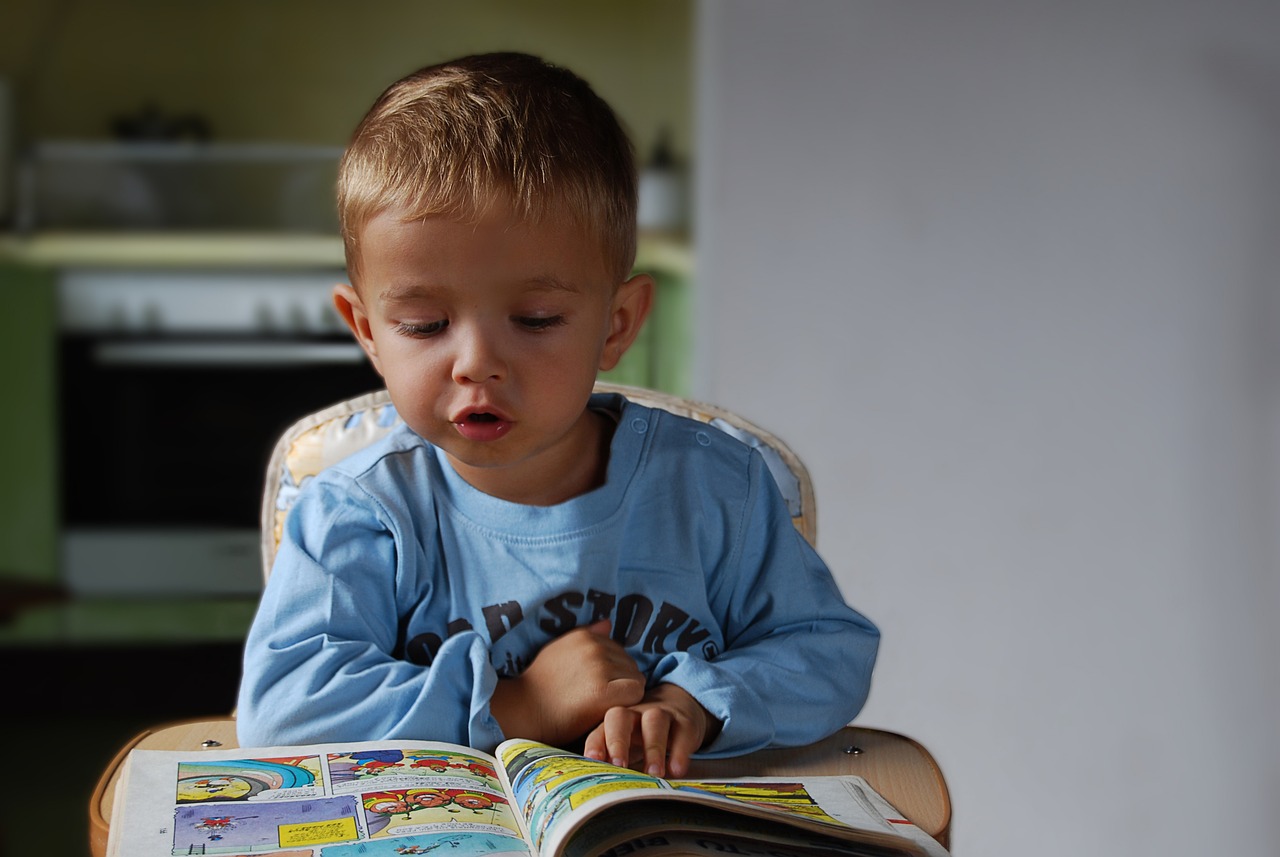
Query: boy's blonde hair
x=456, y=138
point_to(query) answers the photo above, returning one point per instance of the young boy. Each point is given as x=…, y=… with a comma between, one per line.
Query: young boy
x=522, y=558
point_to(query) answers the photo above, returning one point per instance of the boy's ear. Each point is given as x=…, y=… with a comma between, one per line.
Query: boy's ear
x=346, y=300
x=631, y=305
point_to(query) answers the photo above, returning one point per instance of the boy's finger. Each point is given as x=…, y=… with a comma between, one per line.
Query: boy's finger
x=682, y=744
x=594, y=747
x=619, y=724
x=655, y=729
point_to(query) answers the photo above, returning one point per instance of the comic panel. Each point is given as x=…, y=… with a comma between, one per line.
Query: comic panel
x=391, y=768
x=397, y=812
x=791, y=798
x=453, y=844
x=233, y=829
x=202, y=781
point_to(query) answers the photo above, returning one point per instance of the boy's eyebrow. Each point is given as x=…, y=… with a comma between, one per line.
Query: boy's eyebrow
x=395, y=294
x=543, y=282
x=551, y=282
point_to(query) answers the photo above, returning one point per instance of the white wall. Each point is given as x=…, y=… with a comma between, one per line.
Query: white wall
x=1005, y=275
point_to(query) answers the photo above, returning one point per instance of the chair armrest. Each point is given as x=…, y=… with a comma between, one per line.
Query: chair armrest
x=179, y=735
x=896, y=766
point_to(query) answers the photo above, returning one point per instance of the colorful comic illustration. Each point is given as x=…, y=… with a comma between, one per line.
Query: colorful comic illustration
x=396, y=812
x=202, y=781
x=233, y=829
x=464, y=844
x=409, y=767
x=792, y=798
x=518, y=755
x=548, y=784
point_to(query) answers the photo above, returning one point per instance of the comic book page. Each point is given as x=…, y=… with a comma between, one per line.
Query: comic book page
x=378, y=799
x=570, y=806
x=335, y=800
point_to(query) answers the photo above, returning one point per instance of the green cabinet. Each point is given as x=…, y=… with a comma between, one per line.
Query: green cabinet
x=661, y=355
x=28, y=424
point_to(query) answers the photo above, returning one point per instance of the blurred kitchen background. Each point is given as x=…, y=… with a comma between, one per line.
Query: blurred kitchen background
x=167, y=247
x=1004, y=274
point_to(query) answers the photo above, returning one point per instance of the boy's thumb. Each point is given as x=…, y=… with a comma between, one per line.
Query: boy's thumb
x=601, y=628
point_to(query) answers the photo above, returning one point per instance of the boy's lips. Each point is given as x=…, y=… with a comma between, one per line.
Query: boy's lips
x=482, y=425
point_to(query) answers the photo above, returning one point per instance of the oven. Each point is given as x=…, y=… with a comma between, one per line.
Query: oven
x=174, y=386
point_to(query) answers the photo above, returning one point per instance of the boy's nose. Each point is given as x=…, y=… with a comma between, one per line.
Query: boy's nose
x=477, y=361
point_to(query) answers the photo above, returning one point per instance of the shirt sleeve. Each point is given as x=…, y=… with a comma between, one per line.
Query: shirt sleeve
x=320, y=659
x=797, y=660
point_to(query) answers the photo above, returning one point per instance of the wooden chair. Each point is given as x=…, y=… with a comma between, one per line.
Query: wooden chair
x=896, y=766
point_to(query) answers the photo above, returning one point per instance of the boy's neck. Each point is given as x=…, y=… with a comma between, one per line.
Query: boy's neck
x=583, y=470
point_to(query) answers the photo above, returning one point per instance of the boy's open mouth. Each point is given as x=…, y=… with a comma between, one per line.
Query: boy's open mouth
x=483, y=426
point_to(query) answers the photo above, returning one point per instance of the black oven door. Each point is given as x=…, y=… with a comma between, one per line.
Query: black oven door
x=165, y=442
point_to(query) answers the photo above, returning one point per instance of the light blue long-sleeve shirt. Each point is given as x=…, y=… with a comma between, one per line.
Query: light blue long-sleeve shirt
x=401, y=594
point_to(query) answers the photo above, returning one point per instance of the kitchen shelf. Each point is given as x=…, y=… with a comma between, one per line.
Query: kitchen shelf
x=239, y=250
x=172, y=250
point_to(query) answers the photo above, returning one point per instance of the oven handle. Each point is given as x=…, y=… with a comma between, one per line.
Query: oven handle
x=227, y=353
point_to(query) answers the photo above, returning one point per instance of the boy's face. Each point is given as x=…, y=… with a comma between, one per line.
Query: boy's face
x=489, y=337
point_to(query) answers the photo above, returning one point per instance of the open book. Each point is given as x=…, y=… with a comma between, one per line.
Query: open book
x=396, y=798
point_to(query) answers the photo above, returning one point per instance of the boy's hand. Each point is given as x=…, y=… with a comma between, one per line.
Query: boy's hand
x=660, y=733
x=568, y=688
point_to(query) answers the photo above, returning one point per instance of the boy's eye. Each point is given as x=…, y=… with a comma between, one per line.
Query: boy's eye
x=538, y=322
x=430, y=328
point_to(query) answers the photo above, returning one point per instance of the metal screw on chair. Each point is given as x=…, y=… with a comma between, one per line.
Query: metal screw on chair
x=852, y=750
x=210, y=743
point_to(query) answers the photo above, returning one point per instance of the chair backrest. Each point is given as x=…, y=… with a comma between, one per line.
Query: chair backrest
x=330, y=435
